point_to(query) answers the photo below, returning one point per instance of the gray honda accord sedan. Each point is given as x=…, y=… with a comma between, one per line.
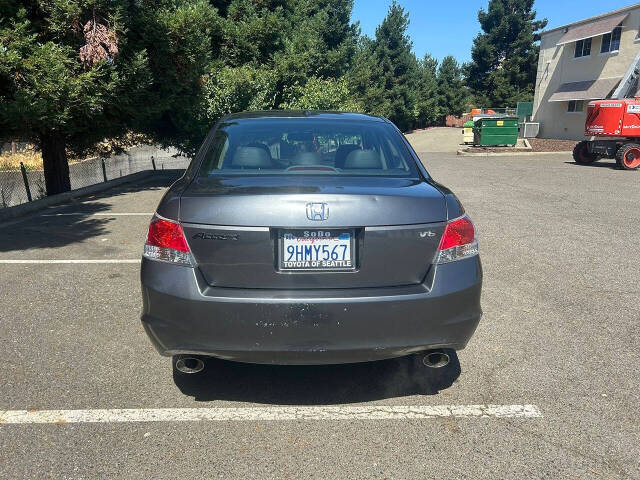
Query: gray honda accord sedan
x=309, y=238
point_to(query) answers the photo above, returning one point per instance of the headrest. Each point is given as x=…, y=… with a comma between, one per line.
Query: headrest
x=363, y=159
x=342, y=152
x=251, y=157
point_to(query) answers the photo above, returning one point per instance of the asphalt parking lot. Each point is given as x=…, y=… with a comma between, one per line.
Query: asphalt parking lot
x=560, y=339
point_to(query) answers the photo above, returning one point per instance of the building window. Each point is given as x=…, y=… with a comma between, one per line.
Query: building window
x=583, y=48
x=576, y=106
x=611, y=41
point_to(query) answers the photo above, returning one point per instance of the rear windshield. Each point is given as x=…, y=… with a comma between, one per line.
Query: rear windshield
x=295, y=146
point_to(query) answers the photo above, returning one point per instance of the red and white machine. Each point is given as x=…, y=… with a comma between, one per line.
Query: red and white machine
x=617, y=119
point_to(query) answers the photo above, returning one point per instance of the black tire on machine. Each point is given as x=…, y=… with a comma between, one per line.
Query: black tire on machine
x=582, y=155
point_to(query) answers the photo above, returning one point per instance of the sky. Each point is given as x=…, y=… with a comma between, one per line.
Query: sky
x=444, y=28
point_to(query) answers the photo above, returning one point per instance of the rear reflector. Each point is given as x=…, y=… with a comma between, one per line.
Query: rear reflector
x=458, y=241
x=166, y=242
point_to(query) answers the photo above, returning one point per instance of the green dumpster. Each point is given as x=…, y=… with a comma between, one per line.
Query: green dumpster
x=494, y=131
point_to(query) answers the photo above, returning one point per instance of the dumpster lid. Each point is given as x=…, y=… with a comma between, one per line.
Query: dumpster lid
x=491, y=115
x=495, y=117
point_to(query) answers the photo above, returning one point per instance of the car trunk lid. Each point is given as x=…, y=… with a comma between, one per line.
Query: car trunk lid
x=234, y=225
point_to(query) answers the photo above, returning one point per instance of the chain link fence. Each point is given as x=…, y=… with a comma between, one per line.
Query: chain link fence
x=17, y=186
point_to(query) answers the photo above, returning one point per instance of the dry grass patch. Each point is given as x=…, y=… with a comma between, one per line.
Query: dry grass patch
x=32, y=161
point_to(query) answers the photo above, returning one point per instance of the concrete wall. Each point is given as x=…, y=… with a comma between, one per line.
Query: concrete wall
x=557, y=65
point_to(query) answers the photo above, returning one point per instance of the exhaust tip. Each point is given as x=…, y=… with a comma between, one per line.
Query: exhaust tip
x=436, y=359
x=189, y=365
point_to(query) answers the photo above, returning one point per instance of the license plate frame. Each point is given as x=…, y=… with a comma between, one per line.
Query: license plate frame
x=300, y=233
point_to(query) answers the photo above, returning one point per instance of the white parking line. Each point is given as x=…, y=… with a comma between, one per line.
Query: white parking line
x=267, y=414
x=99, y=214
x=131, y=260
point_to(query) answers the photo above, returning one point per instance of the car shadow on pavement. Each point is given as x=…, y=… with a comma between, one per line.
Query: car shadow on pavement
x=47, y=230
x=316, y=384
x=612, y=165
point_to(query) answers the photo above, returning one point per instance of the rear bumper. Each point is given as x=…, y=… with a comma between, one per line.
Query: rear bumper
x=183, y=315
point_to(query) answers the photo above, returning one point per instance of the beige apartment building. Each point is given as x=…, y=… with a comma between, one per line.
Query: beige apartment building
x=580, y=62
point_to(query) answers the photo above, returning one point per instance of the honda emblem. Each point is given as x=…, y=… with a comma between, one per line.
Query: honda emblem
x=317, y=211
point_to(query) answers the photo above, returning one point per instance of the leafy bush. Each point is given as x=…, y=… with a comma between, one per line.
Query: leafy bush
x=234, y=89
x=321, y=94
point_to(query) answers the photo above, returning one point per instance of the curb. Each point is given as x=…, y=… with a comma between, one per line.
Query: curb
x=30, y=207
x=510, y=154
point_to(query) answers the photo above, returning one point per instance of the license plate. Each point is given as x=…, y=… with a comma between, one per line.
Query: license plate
x=316, y=250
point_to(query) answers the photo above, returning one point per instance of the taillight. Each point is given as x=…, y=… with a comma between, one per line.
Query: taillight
x=458, y=241
x=166, y=242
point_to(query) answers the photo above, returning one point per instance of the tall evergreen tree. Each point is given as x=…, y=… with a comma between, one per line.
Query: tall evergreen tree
x=388, y=70
x=181, y=38
x=505, y=55
x=252, y=31
x=321, y=39
x=427, y=104
x=452, y=93
x=281, y=53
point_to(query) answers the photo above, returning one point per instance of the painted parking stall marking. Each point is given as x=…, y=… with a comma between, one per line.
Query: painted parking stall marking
x=267, y=414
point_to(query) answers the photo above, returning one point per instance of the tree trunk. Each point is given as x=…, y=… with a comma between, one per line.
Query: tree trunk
x=56, y=166
x=13, y=147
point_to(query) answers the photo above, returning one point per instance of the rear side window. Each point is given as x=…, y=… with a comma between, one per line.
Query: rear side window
x=295, y=146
